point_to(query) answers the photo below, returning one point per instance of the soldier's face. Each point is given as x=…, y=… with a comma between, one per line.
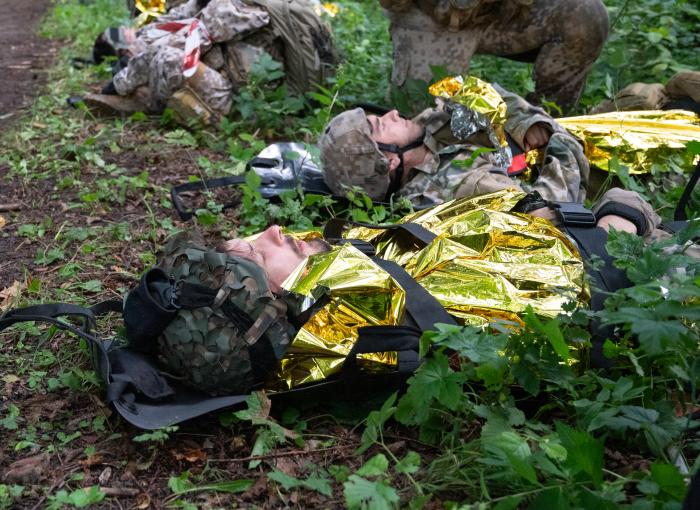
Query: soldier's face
x=275, y=252
x=390, y=128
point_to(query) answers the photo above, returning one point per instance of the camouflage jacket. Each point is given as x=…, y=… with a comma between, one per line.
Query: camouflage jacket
x=238, y=32
x=437, y=179
x=458, y=14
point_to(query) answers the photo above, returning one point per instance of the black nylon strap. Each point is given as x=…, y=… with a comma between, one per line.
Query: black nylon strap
x=679, y=214
x=333, y=230
x=401, y=339
x=625, y=211
x=421, y=306
x=49, y=312
x=591, y=242
x=184, y=213
x=193, y=295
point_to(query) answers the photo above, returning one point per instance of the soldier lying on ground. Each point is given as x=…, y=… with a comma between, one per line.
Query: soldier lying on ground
x=231, y=35
x=486, y=264
x=561, y=37
x=423, y=160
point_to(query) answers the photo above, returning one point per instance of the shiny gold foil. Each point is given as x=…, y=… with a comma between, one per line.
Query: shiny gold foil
x=330, y=8
x=477, y=95
x=473, y=93
x=361, y=294
x=637, y=139
x=485, y=265
x=150, y=10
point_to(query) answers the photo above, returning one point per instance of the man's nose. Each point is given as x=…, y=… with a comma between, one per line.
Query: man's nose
x=273, y=234
x=393, y=115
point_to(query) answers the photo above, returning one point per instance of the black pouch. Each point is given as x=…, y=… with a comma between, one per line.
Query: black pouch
x=148, y=310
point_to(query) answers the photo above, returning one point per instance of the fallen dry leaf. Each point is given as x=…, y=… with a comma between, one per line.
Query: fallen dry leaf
x=143, y=501
x=2, y=222
x=10, y=378
x=287, y=465
x=105, y=476
x=190, y=455
x=92, y=460
x=28, y=470
x=8, y=294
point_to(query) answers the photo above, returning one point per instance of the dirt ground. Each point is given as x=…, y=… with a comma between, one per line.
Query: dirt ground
x=24, y=58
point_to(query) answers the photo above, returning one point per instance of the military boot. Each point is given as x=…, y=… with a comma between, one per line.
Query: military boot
x=111, y=105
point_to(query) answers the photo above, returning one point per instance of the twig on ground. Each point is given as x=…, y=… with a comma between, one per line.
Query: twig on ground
x=11, y=206
x=120, y=491
x=280, y=454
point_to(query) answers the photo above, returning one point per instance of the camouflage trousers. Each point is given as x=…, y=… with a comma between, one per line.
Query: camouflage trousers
x=561, y=37
x=160, y=70
x=563, y=175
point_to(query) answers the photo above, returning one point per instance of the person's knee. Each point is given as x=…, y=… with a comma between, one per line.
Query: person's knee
x=587, y=24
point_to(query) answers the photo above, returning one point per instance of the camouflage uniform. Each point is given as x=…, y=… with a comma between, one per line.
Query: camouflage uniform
x=562, y=37
x=563, y=175
x=240, y=33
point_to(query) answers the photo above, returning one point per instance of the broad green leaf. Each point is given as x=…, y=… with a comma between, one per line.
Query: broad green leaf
x=509, y=503
x=375, y=423
x=669, y=480
x=375, y=466
x=584, y=452
x=362, y=493
x=409, y=464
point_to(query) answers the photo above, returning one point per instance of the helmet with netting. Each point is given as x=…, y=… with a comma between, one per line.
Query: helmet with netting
x=350, y=157
x=232, y=343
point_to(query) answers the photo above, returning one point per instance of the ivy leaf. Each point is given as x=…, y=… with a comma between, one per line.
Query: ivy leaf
x=511, y=446
x=551, y=331
x=362, y=493
x=315, y=483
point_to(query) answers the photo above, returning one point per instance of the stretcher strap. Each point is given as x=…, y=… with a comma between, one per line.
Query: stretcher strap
x=679, y=214
x=333, y=231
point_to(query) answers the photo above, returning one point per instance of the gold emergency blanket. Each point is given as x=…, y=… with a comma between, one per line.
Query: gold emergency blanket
x=639, y=140
x=475, y=94
x=361, y=294
x=485, y=264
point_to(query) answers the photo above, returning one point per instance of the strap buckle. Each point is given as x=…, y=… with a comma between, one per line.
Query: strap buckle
x=573, y=215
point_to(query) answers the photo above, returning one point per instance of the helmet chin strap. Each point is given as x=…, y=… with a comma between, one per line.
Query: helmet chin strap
x=400, y=151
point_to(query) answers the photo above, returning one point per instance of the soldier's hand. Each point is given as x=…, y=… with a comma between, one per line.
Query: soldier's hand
x=537, y=136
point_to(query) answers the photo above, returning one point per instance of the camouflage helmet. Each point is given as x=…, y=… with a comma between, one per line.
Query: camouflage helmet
x=350, y=157
x=232, y=345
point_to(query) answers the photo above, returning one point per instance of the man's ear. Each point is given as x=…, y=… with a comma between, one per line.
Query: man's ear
x=394, y=160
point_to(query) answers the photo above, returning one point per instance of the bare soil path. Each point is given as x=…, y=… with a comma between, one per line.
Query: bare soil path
x=24, y=55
